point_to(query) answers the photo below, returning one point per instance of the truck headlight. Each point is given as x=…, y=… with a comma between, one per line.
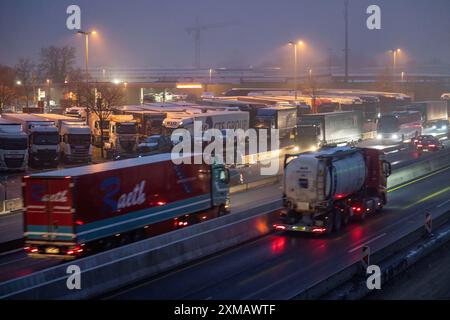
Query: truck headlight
x=395, y=136
x=379, y=136
x=444, y=127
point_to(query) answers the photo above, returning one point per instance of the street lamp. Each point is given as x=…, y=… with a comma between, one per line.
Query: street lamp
x=295, y=45
x=48, y=95
x=87, y=34
x=395, y=52
x=19, y=83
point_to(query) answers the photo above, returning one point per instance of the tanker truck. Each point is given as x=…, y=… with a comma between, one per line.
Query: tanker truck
x=325, y=190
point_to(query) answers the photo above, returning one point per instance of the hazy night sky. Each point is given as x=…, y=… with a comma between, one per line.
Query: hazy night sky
x=151, y=33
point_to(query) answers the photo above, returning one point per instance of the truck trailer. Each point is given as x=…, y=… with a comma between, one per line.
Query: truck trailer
x=322, y=191
x=321, y=129
x=434, y=115
x=92, y=208
x=281, y=118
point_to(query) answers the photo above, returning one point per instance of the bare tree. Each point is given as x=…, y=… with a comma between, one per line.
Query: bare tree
x=25, y=73
x=56, y=63
x=7, y=90
x=99, y=100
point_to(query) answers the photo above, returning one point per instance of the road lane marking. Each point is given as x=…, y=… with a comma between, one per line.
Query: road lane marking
x=366, y=243
x=443, y=203
x=427, y=198
x=419, y=179
x=12, y=261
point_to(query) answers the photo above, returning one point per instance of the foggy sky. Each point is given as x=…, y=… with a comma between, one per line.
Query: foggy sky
x=151, y=33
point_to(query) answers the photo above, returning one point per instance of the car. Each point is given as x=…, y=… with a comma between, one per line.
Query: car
x=156, y=144
x=425, y=143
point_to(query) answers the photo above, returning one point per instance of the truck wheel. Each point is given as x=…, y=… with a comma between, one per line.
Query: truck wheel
x=362, y=216
x=221, y=211
x=337, y=221
x=329, y=222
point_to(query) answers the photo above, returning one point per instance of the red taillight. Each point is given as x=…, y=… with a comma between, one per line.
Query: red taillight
x=432, y=146
x=420, y=145
x=319, y=230
x=79, y=222
x=31, y=249
x=357, y=209
x=75, y=250
x=278, y=227
x=182, y=223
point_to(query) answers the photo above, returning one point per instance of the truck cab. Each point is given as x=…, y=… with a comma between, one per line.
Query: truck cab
x=43, y=139
x=13, y=146
x=123, y=135
x=97, y=127
x=75, y=137
x=75, y=142
x=43, y=145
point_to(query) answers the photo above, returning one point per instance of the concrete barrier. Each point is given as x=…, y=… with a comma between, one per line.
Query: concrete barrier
x=413, y=169
x=392, y=259
x=128, y=264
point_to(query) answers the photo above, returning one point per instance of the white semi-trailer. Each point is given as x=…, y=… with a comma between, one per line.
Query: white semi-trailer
x=13, y=146
x=323, y=190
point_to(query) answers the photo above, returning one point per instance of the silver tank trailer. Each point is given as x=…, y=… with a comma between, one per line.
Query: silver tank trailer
x=317, y=178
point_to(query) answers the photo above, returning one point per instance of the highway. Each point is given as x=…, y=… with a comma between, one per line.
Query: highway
x=280, y=265
x=17, y=264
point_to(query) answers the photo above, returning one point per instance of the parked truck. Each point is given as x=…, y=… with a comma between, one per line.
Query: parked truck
x=281, y=118
x=92, y=208
x=43, y=139
x=13, y=146
x=209, y=120
x=317, y=130
x=98, y=127
x=434, y=115
x=322, y=191
x=123, y=135
x=75, y=138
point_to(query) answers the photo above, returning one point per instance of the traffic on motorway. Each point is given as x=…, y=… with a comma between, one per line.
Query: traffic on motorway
x=312, y=168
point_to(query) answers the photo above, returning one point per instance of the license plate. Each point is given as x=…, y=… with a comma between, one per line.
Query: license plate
x=52, y=250
x=425, y=149
x=299, y=228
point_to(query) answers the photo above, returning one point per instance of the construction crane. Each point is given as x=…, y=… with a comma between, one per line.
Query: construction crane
x=196, y=31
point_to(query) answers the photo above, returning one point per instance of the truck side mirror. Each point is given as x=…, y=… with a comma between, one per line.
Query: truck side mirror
x=387, y=168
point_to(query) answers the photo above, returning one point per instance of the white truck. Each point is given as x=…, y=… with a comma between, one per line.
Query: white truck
x=43, y=139
x=96, y=127
x=123, y=135
x=13, y=146
x=75, y=138
x=209, y=120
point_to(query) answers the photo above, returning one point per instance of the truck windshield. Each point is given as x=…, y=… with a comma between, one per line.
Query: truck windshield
x=45, y=138
x=80, y=139
x=264, y=123
x=388, y=124
x=126, y=128
x=13, y=143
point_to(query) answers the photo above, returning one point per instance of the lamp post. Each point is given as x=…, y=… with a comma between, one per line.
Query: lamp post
x=295, y=45
x=86, y=35
x=395, y=52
